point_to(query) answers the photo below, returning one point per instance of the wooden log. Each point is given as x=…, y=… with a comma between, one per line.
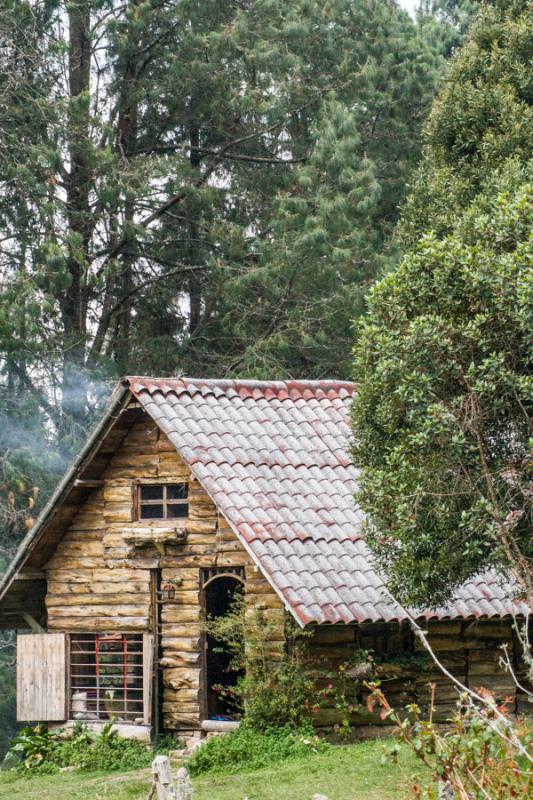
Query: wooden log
x=201, y=538
x=97, y=623
x=180, y=659
x=118, y=493
x=182, y=614
x=108, y=611
x=181, y=645
x=182, y=695
x=92, y=599
x=189, y=631
x=203, y=526
x=181, y=678
x=444, y=628
x=76, y=564
x=114, y=472
x=183, y=784
x=187, y=574
x=183, y=721
x=484, y=629
x=334, y=634
x=441, y=644
x=118, y=511
x=142, y=431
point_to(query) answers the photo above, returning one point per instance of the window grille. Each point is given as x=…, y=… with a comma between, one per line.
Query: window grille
x=106, y=676
x=163, y=500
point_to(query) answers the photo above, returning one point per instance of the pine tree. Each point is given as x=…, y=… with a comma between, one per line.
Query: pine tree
x=293, y=313
x=196, y=187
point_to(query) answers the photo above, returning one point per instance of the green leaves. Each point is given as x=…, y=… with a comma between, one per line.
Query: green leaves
x=444, y=365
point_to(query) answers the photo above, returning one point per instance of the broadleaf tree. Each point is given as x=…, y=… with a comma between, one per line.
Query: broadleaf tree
x=444, y=360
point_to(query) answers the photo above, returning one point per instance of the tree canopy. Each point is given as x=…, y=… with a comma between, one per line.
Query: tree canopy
x=204, y=188
x=444, y=359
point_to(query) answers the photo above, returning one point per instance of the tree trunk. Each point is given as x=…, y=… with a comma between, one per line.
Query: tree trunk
x=73, y=301
x=126, y=137
x=195, y=296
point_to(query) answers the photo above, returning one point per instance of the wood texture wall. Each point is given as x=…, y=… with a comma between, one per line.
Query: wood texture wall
x=470, y=650
x=99, y=578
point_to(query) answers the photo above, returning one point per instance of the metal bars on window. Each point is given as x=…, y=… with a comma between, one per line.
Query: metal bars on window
x=106, y=677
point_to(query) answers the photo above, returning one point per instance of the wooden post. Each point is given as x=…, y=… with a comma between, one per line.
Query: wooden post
x=184, y=785
x=445, y=791
x=163, y=784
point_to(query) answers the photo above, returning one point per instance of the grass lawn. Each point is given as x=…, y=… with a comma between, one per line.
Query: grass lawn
x=352, y=772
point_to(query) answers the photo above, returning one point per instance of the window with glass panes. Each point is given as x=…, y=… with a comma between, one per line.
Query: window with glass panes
x=163, y=500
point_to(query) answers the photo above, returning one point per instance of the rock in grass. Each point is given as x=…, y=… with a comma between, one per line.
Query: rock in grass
x=11, y=761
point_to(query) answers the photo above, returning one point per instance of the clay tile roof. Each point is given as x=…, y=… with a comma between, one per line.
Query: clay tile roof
x=273, y=457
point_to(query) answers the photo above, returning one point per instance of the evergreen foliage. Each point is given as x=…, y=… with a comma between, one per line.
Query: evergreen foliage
x=444, y=360
x=481, y=124
x=204, y=188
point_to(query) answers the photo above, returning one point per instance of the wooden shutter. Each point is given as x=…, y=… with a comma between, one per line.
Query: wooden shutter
x=148, y=676
x=42, y=677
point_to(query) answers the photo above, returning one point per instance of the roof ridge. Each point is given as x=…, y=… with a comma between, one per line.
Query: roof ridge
x=324, y=385
x=246, y=381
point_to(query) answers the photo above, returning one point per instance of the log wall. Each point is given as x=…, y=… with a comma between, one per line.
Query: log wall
x=100, y=577
x=470, y=650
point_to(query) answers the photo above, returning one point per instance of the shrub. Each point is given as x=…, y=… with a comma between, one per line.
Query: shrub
x=284, y=688
x=247, y=748
x=44, y=752
x=275, y=690
x=483, y=754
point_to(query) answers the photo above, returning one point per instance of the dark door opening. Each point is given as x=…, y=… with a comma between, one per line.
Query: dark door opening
x=219, y=596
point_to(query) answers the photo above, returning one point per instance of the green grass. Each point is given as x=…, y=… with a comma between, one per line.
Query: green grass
x=351, y=772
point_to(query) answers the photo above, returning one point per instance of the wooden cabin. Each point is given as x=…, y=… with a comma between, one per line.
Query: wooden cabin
x=188, y=492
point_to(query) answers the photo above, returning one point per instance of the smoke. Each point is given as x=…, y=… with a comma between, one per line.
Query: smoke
x=41, y=430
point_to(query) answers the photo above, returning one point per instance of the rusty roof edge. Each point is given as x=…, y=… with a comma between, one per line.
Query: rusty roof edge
x=32, y=537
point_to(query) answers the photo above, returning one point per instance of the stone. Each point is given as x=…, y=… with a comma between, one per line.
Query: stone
x=445, y=791
x=11, y=761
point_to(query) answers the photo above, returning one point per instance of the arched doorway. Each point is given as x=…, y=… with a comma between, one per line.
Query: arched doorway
x=220, y=593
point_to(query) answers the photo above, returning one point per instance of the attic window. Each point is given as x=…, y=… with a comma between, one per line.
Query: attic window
x=163, y=500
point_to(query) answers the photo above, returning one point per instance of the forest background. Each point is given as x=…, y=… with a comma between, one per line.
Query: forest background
x=192, y=188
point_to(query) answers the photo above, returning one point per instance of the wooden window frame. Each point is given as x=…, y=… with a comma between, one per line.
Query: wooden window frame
x=164, y=501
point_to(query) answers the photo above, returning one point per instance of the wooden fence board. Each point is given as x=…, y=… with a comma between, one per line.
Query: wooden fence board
x=41, y=677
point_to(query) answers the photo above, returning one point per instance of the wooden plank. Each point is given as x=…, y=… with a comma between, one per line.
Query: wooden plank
x=148, y=676
x=42, y=677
